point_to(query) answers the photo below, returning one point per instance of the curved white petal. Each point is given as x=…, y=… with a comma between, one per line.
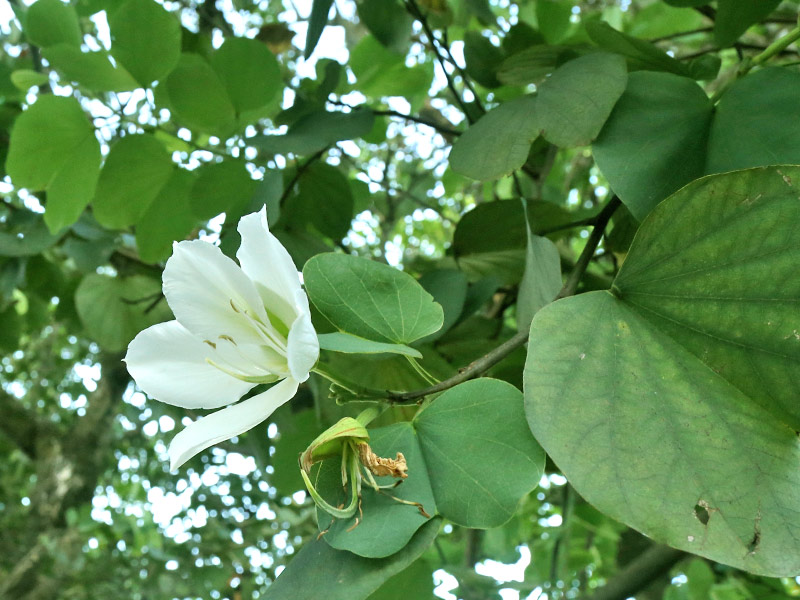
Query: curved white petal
x=169, y=364
x=264, y=259
x=200, y=283
x=303, y=344
x=228, y=422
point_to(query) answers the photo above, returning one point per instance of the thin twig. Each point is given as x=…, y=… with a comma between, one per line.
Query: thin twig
x=299, y=173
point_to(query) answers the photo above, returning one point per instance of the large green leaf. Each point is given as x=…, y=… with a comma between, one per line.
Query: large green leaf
x=145, y=39
x=755, y=123
x=670, y=402
x=480, y=457
x=319, y=570
x=735, y=16
x=575, y=101
x=198, y=96
x=136, y=169
x=640, y=54
x=53, y=148
x=90, y=69
x=499, y=142
x=249, y=72
x=370, y=299
x=24, y=233
x=664, y=117
x=51, y=22
x=388, y=21
x=325, y=196
x=222, y=187
x=381, y=72
x=114, y=309
x=541, y=280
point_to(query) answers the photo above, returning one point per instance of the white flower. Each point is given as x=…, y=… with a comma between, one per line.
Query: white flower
x=234, y=327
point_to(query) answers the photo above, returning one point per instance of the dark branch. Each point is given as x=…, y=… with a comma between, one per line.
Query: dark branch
x=638, y=574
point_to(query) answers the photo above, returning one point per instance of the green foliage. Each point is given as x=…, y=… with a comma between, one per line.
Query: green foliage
x=692, y=325
x=435, y=219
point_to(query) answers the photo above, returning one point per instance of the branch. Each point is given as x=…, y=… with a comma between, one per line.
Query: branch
x=420, y=120
x=638, y=574
x=490, y=359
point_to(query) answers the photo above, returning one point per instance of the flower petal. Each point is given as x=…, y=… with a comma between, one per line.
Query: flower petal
x=169, y=364
x=264, y=259
x=200, y=283
x=228, y=422
x=303, y=345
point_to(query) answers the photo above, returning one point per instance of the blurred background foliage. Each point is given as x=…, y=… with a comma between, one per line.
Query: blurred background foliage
x=346, y=141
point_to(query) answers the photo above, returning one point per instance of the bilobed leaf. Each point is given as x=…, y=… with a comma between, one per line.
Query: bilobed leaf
x=168, y=218
x=381, y=72
x=530, y=65
x=483, y=59
x=679, y=384
x=480, y=457
x=735, y=16
x=319, y=570
x=325, y=195
x=369, y=299
x=51, y=22
x=136, y=169
x=221, y=187
x=92, y=70
x=249, y=72
x=574, y=103
x=449, y=288
x=145, y=39
x=352, y=344
x=317, y=130
x=114, y=309
x=665, y=116
x=198, y=97
x=760, y=109
x=499, y=142
x=553, y=17
x=53, y=147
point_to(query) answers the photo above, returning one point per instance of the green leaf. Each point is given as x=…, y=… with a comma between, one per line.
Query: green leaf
x=325, y=195
x=574, y=103
x=483, y=59
x=678, y=386
x=668, y=117
x=25, y=79
x=735, y=16
x=480, y=456
x=541, y=280
x=640, y=53
x=145, y=39
x=320, y=570
x=316, y=131
x=316, y=23
x=51, y=22
x=352, y=344
x=136, y=169
x=386, y=525
x=24, y=233
x=530, y=65
x=92, y=70
x=53, y=147
x=553, y=18
x=221, y=187
x=198, y=97
x=249, y=72
x=296, y=430
x=388, y=21
x=380, y=72
x=449, y=288
x=168, y=218
x=114, y=309
x=369, y=299
x=414, y=582
x=499, y=142
x=754, y=124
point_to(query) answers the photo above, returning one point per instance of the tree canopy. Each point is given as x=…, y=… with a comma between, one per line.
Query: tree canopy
x=382, y=299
